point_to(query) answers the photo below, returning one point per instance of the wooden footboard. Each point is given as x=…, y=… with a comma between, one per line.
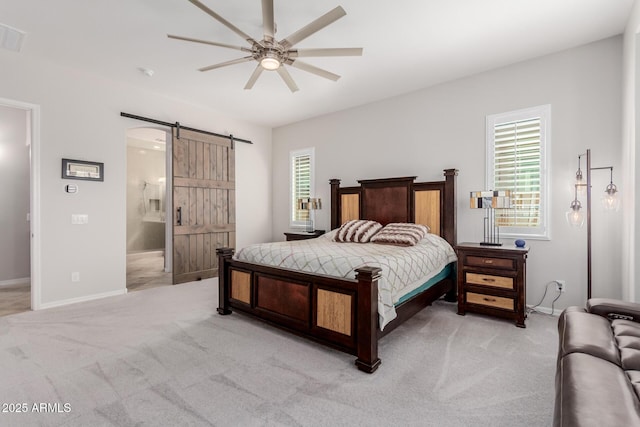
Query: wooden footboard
x=340, y=313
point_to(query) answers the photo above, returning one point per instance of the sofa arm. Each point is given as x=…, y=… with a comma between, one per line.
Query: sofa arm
x=614, y=309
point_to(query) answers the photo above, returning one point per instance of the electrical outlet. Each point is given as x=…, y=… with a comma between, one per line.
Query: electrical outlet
x=75, y=276
x=560, y=285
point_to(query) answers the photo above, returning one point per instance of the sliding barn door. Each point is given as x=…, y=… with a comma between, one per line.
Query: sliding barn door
x=203, y=203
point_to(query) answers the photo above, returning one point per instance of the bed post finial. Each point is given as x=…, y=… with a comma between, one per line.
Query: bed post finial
x=335, y=203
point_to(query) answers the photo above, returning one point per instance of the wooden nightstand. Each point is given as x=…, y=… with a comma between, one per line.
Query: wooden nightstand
x=303, y=235
x=492, y=280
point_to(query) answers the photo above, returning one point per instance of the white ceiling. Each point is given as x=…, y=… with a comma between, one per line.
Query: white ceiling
x=408, y=45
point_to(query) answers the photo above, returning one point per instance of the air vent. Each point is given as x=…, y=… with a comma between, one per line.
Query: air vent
x=11, y=38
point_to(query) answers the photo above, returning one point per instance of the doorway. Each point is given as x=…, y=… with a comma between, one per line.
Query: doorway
x=148, y=265
x=15, y=174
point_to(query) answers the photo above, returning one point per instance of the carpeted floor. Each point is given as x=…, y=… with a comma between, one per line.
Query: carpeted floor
x=164, y=357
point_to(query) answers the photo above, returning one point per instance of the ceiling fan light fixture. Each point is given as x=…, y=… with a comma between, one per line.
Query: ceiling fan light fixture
x=270, y=62
x=271, y=54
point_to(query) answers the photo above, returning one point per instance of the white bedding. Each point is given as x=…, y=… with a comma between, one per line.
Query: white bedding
x=403, y=268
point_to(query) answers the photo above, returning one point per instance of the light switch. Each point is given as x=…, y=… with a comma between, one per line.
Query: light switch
x=79, y=219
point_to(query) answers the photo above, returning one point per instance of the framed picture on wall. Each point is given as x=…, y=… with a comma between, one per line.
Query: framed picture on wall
x=81, y=169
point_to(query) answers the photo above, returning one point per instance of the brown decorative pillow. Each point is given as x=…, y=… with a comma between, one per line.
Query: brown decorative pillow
x=357, y=231
x=401, y=234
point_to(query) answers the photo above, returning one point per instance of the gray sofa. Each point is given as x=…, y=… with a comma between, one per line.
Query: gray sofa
x=598, y=371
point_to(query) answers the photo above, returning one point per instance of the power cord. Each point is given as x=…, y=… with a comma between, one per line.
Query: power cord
x=531, y=309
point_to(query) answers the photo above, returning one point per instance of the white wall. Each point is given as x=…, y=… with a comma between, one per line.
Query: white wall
x=631, y=155
x=442, y=127
x=14, y=194
x=80, y=119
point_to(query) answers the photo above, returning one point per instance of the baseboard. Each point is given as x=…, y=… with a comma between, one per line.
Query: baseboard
x=547, y=310
x=82, y=299
x=12, y=282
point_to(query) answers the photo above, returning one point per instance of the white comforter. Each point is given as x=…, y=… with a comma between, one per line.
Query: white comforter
x=403, y=268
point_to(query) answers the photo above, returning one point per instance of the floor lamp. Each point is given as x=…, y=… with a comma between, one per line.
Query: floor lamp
x=575, y=217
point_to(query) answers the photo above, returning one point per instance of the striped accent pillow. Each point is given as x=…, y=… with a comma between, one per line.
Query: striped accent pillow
x=401, y=234
x=357, y=231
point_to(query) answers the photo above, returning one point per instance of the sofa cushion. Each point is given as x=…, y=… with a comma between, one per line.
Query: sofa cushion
x=593, y=392
x=627, y=334
x=634, y=378
x=582, y=332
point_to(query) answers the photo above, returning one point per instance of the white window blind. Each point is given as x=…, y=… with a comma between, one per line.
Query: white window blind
x=301, y=184
x=517, y=168
x=515, y=161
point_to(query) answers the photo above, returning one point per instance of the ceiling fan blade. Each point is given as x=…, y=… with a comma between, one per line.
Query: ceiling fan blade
x=346, y=51
x=224, y=64
x=287, y=78
x=254, y=77
x=313, y=69
x=229, y=46
x=326, y=19
x=224, y=22
x=268, y=21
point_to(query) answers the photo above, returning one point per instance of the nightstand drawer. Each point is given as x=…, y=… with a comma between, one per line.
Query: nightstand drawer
x=491, y=301
x=481, y=261
x=489, y=280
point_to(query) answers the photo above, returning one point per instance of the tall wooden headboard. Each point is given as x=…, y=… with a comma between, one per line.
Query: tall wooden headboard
x=399, y=200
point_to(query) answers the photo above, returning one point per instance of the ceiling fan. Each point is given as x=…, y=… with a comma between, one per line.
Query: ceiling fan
x=273, y=55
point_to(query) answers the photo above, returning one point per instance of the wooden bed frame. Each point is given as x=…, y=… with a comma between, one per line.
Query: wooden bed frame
x=343, y=313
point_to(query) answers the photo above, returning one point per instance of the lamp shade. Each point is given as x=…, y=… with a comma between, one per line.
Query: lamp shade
x=575, y=218
x=610, y=199
x=490, y=199
x=574, y=215
x=309, y=204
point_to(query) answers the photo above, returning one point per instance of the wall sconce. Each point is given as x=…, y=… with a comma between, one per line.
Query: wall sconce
x=575, y=216
x=311, y=205
x=490, y=201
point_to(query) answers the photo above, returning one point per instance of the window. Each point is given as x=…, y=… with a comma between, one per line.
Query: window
x=302, y=185
x=517, y=143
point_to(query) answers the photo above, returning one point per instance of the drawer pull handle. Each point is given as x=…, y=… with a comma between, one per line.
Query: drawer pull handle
x=486, y=279
x=488, y=261
x=489, y=299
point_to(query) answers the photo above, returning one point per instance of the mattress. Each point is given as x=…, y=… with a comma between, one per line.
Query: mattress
x=404, y=268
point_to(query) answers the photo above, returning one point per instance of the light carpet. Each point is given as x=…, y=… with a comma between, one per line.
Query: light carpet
x=164, y=357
